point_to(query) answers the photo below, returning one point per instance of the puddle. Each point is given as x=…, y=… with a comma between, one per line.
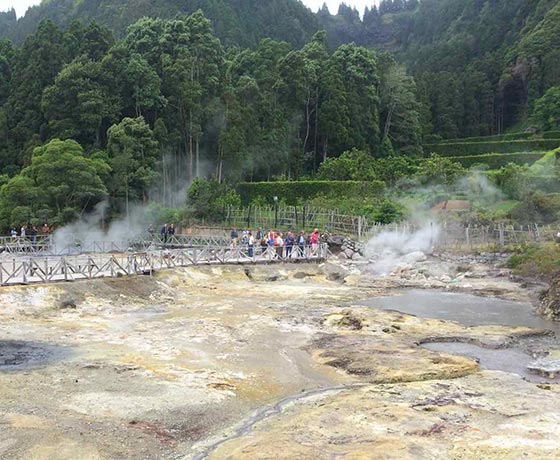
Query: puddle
x=18, y=355
x=470, y=310
x=510, y=360
x=466, y=309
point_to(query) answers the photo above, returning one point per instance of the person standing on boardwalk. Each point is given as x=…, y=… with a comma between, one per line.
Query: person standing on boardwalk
x=151, y=232
x=301, y=244
x=164, y=233
x=314, y=240
x=289, y=243
x=279, y=245
x=171, y=231
x=234, y=236
x=251, y=245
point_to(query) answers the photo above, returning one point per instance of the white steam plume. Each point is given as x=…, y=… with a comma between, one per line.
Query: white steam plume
x=400, y=247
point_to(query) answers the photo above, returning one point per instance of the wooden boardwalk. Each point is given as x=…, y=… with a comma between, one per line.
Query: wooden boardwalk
x=34, y=268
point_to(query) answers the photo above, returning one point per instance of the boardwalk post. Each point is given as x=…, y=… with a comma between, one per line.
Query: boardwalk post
x=501, y=233
x=359, y=227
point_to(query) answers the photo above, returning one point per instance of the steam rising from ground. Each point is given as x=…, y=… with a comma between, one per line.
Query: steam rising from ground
x=399, y=247
x=89, y=229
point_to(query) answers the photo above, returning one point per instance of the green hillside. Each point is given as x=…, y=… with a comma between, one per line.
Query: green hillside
x=480, y=65
x=236, y=22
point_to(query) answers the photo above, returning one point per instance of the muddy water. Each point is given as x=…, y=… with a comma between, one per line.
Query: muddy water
x=466, y=309
x=471, y=310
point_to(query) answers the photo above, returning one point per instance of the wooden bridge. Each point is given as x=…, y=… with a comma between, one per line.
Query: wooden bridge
x=47, y=245
x=31, y=267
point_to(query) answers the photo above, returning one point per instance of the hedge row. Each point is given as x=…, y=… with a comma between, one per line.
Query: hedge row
x=491, y=138
x=551, y=135
x=497, y=160
x=542, y=183
x=296, y=192
x=482, y=148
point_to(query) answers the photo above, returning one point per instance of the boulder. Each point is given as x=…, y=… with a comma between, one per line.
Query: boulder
x=550, y=301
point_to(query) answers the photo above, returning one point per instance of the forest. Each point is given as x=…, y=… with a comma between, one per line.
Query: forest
x=168, y=103
x=100, y=103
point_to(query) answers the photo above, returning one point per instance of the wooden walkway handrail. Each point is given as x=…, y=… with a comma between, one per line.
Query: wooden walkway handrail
x=37, y=269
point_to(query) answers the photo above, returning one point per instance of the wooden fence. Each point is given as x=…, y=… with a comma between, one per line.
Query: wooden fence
x=296, y=218
x=472, y=238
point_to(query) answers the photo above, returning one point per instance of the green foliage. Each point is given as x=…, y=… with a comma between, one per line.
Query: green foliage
x=375, y=209
x=513, y=180
x=497, y=160
x=353, y=165
x=60, y=182
x=208, y=199
x=547, y=110
x=482, y=148
x=551, y=135
x=388, y=212
x=536, y=260
x=439, y=170
x=297, y=192
x=496, y=138
x=537, y=207
x=133, y=152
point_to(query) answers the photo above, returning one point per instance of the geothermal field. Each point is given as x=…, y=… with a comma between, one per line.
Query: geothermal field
x=438, y=359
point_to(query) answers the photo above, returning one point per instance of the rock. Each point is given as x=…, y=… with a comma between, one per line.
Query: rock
x=547, y=367
x=550, y=302
x=67, y=303
x=417, y=256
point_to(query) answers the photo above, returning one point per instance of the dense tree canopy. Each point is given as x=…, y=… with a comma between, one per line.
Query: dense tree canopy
x=167, y=104
x=156, y=99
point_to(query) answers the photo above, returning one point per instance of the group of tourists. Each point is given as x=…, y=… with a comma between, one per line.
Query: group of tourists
x=166, y=232
x=276, y=244
x=29, y=232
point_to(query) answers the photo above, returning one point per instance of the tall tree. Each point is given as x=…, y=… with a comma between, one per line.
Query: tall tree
x=133, y=152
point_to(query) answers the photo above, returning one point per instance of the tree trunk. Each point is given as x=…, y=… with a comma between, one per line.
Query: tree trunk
x=197, y=158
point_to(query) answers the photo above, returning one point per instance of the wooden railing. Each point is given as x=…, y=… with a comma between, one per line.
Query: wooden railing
x=36, y=269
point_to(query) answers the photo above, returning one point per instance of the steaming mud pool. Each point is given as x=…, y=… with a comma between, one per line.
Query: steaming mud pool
x=277, y=362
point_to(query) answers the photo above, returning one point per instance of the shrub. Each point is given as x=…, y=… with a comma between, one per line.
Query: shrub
x=207, y=199
x=439, y=170
x=513, y=181
x=542, y=208
x=351, y=165
x=541, y=261
x=547, y=109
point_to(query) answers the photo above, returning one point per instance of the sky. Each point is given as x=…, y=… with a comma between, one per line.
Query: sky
x=22, y=5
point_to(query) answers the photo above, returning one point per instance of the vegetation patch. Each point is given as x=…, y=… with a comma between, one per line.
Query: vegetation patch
x=497, y=160
x=481, y=148
x=536, y=260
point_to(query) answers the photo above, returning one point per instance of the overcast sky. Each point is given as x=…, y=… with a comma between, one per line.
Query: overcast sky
x=22, y=5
